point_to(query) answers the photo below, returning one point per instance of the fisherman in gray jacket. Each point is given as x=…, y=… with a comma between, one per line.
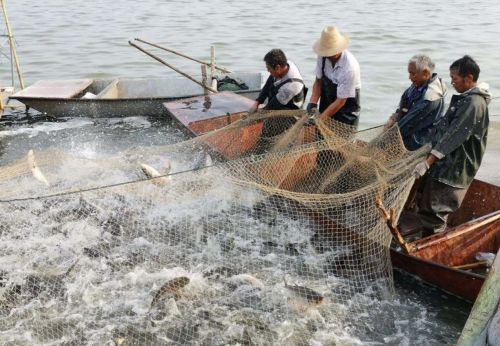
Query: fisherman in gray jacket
x=457, y=147
x=420, y=105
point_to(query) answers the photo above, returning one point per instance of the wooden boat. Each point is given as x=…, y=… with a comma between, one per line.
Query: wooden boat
x=200, y=115
x=118, y=97
x=442, y=259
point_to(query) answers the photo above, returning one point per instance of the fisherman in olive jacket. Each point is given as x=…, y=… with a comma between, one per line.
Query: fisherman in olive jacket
x=457, y=148
x=420, y=105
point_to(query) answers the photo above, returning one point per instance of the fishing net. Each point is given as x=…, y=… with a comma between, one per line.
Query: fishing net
x=263, y=231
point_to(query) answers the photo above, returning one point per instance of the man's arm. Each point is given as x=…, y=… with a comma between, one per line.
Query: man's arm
x=265, y=90
x=458, y=131
x=316, y=92
x=262, y=95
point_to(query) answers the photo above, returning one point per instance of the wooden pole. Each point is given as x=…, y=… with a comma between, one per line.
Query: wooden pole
x=172, y=67
x=472, y=265
x=12, y=45
x=390, y=218
x=213, y=77
x=183, y=55
x=204, y=77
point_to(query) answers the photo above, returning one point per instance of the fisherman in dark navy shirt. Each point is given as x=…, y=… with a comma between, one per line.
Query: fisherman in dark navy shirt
x=421, y=105
x=284, y=89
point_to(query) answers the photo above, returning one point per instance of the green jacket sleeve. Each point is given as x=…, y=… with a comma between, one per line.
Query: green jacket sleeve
x=459, y=129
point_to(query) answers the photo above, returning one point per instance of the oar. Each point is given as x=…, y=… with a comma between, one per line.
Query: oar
x=184, y=56
x=172, y=67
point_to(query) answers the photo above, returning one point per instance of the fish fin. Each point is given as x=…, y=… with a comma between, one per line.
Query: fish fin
x=208, y=161
x=168, y=167
x=31, y=158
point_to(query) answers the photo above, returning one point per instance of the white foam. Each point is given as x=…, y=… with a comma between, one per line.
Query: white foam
x=46, y=127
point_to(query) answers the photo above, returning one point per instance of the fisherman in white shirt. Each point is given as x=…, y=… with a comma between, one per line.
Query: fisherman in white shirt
x=338, y=79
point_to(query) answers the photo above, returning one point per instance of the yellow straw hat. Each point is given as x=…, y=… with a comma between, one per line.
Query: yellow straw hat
x=331, y=42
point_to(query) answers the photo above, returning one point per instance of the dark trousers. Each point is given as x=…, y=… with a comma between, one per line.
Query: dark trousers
x=436, y=201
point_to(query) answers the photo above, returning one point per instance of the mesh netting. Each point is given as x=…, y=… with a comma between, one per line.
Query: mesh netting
x=241, y=236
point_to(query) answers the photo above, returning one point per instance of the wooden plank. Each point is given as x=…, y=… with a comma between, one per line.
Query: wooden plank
x=459, y=244
x=199, y=113
x=55, y=88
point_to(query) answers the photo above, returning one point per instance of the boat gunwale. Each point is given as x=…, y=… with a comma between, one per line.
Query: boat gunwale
x=456, y=231
x=76, y=99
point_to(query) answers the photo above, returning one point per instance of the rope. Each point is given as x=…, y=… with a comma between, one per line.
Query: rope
x=130, y=182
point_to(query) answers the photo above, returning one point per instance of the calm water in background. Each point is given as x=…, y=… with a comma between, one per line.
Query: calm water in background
x=81, y=39
x=67, y=40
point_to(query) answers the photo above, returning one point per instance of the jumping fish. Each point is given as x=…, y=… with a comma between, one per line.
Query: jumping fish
x=246, y=279
x=208, y=161
x=304, y=292
x=172, y=286
x=150, y=172
x=35, y=170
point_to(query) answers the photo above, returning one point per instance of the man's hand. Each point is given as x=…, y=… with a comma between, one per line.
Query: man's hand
x=312, y=108
x=254, y=108
x=389, y=124
x=420, y=169
x=310, y=120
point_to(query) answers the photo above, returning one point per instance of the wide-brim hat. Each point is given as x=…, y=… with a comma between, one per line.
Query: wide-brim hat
x=331, y=42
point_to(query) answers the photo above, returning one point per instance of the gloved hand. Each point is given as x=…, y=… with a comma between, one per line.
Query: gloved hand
x=420, y=169
x=312, y=108
x=310, y=120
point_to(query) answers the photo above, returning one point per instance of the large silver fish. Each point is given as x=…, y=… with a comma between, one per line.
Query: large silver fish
x=35, y=170
x=151, y=172
x=304, y=292
x=172, y=286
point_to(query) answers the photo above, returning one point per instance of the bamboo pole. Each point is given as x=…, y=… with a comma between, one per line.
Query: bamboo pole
x=183, y=55
x=390, y=218
x=204, y=78
x=212, y=68
x=12, y=45
x=472, y=265
x=477, y=329
x=172, y=67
